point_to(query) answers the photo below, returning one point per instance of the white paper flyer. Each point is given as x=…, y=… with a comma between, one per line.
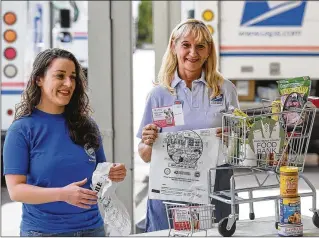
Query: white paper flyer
x=180, y=164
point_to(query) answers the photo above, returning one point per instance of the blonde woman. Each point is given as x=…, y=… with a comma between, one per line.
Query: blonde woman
x=188, y=75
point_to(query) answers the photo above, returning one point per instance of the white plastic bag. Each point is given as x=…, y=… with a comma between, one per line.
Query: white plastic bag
x=114, y=212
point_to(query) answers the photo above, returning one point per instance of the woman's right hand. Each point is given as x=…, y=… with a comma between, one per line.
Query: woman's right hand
x=81, y=197
x=149, y=134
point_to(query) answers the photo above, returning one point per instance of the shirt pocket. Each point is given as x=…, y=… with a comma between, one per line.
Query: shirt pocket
x=214, y=119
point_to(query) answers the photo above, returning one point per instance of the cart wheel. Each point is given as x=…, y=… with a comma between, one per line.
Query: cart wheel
x=222, y=224
x=315, y=219
x=276, y=225
x=252, y=216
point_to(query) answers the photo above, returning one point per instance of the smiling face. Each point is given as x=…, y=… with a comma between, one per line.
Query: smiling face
x=191, y=53
x=57, y=85
x=191, y=45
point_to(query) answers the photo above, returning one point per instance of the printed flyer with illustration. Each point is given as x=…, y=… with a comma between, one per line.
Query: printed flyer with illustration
x=180, y=164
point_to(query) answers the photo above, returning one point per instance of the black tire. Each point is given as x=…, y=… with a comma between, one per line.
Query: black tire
x=252, y=216
x=276, y=225
x=222, y=224
x=315, y=219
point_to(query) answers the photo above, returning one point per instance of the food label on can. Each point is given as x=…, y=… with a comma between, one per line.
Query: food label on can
x=290, y=212
x=290, y=230
x=289, y=185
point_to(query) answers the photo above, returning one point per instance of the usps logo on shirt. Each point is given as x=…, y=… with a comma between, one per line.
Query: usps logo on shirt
x=90, y=152
x=217, y=100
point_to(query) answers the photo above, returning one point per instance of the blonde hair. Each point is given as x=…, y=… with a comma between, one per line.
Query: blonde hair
x=169, y=61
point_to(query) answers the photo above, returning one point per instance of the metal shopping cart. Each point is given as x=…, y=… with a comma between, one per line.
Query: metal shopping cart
x=185, y=219
x=261, y=143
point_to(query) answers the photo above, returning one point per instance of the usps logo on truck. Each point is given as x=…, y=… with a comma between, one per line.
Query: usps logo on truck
x=273, y=13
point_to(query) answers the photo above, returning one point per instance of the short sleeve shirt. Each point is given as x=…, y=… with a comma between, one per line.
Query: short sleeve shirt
x=199, y=109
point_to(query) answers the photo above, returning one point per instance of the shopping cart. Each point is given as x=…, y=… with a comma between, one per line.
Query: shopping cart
x=245, y=148
x=187, y=219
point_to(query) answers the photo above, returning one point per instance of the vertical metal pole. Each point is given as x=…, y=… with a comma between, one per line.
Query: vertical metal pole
x=251, y=204
x=100, y=71
x=166, y=15
x=232, y=195
x=122, y=58
x=51, y=25
x=277, y=210
x=110, y=81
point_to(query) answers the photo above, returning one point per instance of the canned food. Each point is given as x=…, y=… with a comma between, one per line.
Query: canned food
x=290, y=212
x=288, y=181
x=275, y=108
x=290, y=230
x=271, y=159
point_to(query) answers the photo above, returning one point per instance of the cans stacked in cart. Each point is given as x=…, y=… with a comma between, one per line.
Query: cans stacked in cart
x=290, y=206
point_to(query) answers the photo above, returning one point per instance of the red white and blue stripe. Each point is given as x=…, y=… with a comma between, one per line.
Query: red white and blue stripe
x=274, y=51
x=80, y=35
x=12, y=88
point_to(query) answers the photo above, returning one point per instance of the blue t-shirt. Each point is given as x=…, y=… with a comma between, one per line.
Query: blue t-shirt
x=39, y=146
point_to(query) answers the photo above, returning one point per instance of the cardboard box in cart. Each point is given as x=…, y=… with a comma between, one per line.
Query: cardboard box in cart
x=245, y=89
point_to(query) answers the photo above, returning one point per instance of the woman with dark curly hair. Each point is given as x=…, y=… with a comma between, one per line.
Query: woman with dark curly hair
x=52, y=149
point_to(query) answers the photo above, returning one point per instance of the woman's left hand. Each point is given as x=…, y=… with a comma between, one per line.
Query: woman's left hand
x=117, y=172
x=219, y=134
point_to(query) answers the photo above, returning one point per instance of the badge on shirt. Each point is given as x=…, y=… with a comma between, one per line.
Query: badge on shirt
x=179, y=102
x=169, y=116
x=218, y=100
x=90, y=152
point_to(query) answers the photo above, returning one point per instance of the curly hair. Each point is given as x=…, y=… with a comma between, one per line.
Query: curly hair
x=82, y=130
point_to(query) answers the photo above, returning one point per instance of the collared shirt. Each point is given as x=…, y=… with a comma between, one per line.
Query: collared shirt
x=199, y=113
x=199, y=109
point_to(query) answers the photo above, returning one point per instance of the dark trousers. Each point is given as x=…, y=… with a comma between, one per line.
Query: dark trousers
x=222, y=182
